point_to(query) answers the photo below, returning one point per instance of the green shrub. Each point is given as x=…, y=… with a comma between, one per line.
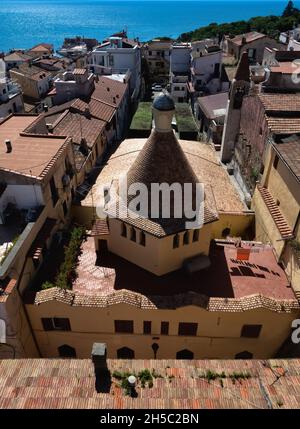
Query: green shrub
x=66, y=275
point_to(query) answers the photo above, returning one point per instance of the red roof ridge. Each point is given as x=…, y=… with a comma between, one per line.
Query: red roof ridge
x=275, y=212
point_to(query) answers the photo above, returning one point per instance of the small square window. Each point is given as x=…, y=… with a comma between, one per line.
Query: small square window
x=251, y=331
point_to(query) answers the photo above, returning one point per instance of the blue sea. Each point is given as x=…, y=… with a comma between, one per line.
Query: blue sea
x=24, y=23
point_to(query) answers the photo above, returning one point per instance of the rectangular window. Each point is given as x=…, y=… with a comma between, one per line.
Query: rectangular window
x=164, y=328
x=142, y=239
x=54, y=193
x=56, y=324
x=275, y=163
x=196, y=235
x=147, y=327
x=251, y=331
x=187, y=328
x=124, y=326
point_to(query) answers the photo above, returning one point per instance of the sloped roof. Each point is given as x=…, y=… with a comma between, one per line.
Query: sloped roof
x=249, y=37
x=31, y=155
x=280, y=102
x=243, y=68
x=214, y=106
x=183, y=384
x=289, y=151
x=109, y=91
x=162, y=160
x=79, y=126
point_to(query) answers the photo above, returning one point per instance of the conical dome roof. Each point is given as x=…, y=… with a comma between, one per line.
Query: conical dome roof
x=162, y=160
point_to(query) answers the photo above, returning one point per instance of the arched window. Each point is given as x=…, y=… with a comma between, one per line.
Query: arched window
x=185, y=354
x=66, y=351
x=225, y=232
x=123, y=230
x=132, y=234
x=186, y=238
x=196, y=235
x=125, y=353
x=176, y=240
x=142, y=238
x=244, y=355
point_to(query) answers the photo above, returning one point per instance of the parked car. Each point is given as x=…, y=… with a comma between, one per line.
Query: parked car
x=156, y=88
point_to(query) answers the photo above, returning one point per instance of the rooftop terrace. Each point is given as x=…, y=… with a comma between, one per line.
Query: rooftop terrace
x=227, y=277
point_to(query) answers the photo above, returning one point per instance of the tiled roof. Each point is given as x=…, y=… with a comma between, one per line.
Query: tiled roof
x=162, y=160
x=283, y=125
x=250, y=37
x=41, y=47
x=287, y=67
x=201, y=157
x=33, y=156
x=98, y=109
x=17, y=56
x=289, y=151
x=183, y=384
x=79, y=126
x=154, y=302
x=32, y=72
x=280, y=102
x=275, y=212
x=215, y=105
x=100, y=227
x=109, y=91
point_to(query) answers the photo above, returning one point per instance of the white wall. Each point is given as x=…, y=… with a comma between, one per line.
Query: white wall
x=25, y=196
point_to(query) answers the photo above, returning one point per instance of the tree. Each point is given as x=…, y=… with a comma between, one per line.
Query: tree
x=290, y=9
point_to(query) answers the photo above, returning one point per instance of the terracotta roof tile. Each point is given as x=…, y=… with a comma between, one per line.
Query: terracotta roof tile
x=31, y=155
x=98, y=109
x=283, y=125
x=70, y=383
x=100, y=227
x=280, y=102
x=249, y=37
x=289, y=151
x=109, y=91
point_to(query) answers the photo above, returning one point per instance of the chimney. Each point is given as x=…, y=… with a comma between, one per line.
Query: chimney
x=46, y=108
x=103, y=380
x=49, y=128
x=8, y=146
x=244, y=39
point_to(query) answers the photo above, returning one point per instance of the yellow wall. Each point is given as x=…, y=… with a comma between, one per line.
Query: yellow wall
x=158, y=256
x=218, y=334
x=266, y=230
x=238, y=223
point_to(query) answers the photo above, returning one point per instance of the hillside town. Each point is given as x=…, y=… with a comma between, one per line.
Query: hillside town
x=114, y=294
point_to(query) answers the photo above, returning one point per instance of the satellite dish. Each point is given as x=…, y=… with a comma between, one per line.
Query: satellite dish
x=2, y=69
